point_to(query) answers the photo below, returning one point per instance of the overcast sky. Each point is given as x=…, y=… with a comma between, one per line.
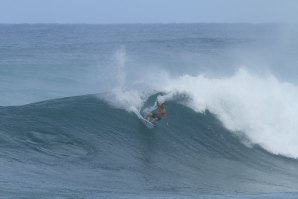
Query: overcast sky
x=147, y=11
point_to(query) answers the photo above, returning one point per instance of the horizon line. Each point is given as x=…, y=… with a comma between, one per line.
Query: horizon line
x=144, y=23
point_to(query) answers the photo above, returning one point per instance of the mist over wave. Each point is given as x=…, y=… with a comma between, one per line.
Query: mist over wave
x=257, y=105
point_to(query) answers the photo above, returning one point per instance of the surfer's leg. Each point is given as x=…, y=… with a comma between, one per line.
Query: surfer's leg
x=154, y=119
x=148, y=115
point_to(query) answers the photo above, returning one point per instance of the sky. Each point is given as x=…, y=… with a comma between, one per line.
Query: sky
x=148, y=11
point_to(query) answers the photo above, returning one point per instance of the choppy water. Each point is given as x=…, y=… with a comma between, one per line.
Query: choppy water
x=67, y=129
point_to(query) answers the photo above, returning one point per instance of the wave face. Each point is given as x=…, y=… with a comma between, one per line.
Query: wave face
x=81, y=145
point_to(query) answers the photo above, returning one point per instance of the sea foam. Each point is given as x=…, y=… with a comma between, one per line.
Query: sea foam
x=262, y=107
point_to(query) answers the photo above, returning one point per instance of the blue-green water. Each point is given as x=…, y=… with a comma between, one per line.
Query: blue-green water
x=69, y=92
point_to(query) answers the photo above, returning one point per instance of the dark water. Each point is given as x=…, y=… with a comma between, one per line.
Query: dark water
x=82, y=147
x=230, y=92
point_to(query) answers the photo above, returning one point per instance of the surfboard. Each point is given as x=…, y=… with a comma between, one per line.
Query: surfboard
x=147, y=123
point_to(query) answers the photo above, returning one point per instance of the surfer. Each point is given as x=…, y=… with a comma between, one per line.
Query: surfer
x=161, y=112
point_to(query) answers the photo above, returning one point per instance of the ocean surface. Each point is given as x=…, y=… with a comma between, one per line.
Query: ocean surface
x=70, y=93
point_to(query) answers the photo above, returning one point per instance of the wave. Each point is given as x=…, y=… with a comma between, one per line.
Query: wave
x=259, y=106
x=84, y=136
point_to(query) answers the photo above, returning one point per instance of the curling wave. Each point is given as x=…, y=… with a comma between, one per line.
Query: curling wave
x=95, y=147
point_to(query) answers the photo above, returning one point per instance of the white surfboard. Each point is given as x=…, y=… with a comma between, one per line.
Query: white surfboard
x=147, y=123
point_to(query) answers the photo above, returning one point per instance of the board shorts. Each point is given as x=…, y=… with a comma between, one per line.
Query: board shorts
x=155, y=116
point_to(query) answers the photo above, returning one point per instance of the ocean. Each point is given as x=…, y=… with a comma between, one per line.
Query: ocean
x=69, y=94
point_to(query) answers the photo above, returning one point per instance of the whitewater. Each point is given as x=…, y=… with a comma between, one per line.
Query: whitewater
x=69, y=94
